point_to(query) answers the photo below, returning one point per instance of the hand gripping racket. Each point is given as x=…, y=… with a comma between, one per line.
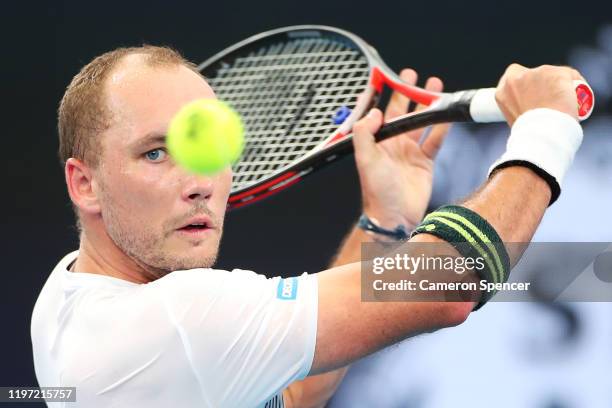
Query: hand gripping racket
x=296, y=89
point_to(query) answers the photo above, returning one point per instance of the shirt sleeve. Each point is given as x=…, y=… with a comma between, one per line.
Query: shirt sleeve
x=246, y=336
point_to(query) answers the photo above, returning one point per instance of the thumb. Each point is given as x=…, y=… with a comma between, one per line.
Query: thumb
x=363, y=136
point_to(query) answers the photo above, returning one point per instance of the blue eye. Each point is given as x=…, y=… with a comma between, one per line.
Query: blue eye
x=156, y=155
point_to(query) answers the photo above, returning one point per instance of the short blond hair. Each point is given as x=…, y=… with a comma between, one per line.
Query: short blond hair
x=83, y=113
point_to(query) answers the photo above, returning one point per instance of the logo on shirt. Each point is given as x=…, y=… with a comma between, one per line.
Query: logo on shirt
x=287, y=289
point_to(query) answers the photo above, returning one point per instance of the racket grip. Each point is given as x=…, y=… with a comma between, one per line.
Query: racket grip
x=484, y=108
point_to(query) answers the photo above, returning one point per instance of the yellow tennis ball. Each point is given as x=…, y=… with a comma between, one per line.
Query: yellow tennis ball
x=205, y=136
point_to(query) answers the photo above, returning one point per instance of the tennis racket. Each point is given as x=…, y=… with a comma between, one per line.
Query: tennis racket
x=296, y=89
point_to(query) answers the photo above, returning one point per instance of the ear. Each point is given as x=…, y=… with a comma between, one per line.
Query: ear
x=79, y=180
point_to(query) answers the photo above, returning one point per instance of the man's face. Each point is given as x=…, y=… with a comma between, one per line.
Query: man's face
x=161, y=216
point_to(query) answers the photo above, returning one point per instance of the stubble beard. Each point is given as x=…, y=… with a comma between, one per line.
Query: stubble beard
x=145, y=245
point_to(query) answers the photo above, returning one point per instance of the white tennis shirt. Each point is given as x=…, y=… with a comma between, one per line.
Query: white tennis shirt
x=194, y=338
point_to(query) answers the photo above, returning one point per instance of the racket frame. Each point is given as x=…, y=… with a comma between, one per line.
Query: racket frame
x=462, y=106
x=337, y=144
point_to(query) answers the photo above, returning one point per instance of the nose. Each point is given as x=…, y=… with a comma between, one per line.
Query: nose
x=197, y=188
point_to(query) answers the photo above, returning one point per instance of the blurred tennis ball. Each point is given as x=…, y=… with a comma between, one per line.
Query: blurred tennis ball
x=205, y=136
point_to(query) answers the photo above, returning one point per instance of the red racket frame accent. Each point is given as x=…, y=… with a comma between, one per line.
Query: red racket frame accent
x=335, y=138
x=236, y=200
x=380, y=77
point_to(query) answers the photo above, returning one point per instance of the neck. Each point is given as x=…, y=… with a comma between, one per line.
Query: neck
x=98, y=254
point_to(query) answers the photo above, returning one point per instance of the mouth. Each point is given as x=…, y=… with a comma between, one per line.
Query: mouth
x=197, y=226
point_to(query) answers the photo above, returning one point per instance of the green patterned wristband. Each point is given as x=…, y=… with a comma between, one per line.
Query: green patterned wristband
x=473, y=237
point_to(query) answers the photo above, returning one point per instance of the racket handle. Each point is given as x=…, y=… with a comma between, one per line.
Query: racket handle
x=484, y=108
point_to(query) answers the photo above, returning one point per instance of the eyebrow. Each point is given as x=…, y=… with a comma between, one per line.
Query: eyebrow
x=150, y=139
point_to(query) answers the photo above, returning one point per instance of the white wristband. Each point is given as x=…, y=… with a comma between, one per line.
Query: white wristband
x=545, y=140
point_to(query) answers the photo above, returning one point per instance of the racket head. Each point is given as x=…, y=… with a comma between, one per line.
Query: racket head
x=288, y=84
x=299, y=90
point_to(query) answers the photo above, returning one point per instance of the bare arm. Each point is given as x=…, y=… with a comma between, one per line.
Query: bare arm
x=387, y=202
x=513, y=201
x=513, y=194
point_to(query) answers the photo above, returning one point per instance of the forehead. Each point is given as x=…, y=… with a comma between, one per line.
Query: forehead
x=144, y=99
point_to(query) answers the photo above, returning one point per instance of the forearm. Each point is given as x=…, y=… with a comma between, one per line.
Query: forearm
x=513, y=201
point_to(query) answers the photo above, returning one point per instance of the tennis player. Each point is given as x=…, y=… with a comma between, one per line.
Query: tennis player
x=138, y=317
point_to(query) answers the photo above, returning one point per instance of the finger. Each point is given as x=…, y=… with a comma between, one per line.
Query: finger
x=433, y=84
x=363, y=136
x=576, y=75
x=361, y=98
x=398, y=103
x=434, y=141
x=512, y=70
x=503, y=92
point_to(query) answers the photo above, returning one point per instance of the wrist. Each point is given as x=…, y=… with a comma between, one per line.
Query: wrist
x=385, y=234
x=546, y=141
x=388, y=217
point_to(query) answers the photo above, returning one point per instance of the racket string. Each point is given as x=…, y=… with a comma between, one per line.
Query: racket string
x=286, y=94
